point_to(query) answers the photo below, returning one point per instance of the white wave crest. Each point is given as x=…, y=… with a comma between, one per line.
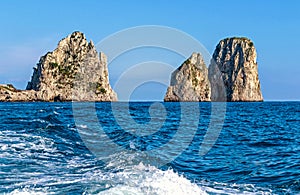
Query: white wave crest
x=27, y=191
x=141, y=179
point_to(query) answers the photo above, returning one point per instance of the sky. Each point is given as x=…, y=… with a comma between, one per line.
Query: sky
x=31, y=28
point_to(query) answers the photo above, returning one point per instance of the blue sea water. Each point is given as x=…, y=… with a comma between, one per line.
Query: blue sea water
x=150, y=148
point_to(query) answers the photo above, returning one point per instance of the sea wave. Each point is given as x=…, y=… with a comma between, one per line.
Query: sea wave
x=41, y=152
x=144, y=179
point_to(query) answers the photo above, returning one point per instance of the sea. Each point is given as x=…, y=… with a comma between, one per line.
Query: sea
x=150, y=148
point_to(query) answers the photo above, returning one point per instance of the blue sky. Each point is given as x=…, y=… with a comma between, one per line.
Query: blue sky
x=29, y=29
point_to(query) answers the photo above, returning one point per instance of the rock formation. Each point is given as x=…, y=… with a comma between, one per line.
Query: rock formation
x=190, y=81
x=75, y=72
x=72, y=72
x=234, y=67
x=10, y=93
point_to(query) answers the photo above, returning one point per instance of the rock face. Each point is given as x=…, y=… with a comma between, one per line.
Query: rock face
x=72, y=72
x=10, y=93
x=190, y=81
x=234, y=66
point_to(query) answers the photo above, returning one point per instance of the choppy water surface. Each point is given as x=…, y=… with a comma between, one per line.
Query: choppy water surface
x=42, y=151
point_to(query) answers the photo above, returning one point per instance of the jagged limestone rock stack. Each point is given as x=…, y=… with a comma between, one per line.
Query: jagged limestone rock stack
x=234, y=66
x=190, y=81
x=72, y=72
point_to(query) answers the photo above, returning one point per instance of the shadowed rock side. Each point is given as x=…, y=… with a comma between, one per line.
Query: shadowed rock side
x=190, y=81
x=72, y=72
x=234, y=66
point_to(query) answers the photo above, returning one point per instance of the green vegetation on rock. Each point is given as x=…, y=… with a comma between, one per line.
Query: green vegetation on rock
x=53, y=65
x=102, y=90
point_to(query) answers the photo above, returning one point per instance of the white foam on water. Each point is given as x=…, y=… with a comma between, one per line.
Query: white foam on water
x=232, y=189
x=137, y=180
x=126, y=176
x=132, y=145
x=56, y=113
x=24, y=145
x=83, y=126
x=122, y=174
x=39, y=120
x=28, y=191
x=141, y=179
x=146, y=179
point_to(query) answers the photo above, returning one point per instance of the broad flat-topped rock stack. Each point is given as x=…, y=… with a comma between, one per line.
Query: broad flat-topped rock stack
x=74, y=71
x=234, y=64
x=9, y=93
x=232, y=75
x=190, y=81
